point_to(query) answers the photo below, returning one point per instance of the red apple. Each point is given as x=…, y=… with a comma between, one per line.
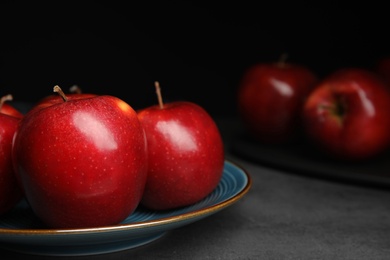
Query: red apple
x=10, y=191
x=347, y=114
x=270, y=98
x=185, y=154
x=82, y=162
x=9, y=109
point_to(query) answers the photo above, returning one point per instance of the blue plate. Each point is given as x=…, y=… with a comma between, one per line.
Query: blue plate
x=22, y=231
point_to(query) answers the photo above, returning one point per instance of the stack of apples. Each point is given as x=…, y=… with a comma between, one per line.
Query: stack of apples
x=344, y=115
x=84, y=160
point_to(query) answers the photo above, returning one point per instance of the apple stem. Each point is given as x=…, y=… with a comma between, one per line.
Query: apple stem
x=58, y=90
x=75, y=89
x=159, y=96
x=5, y=98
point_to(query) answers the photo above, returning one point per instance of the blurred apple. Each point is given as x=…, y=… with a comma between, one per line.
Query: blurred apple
x=347, y=114
x=270, y=98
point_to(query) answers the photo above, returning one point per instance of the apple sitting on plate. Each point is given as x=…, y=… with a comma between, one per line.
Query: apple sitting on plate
x=270, y=98
x=82, y=162
x=10, y=191
x=347, y=114
x=185, y=154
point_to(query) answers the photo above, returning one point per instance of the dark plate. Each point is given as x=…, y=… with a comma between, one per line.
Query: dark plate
x=303, y=158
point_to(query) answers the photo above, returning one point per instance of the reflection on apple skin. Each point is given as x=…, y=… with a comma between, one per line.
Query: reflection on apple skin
x=178, y=135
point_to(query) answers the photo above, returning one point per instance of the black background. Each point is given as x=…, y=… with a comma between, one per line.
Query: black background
x=196, y=50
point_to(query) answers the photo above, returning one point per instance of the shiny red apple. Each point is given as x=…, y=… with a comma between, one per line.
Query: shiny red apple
x=347, y=114
x=185, y=154
x=10, y=191
x=270, y=98
x=82, y=162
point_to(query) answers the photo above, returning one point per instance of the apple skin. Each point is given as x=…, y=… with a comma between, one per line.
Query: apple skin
x=270, y=97
x=7, y=109
x=54, y=99
x=83, y=162
x=10, y=191
x=75, y=93
x=10, y=110
x=347, y=114
x=185, y=154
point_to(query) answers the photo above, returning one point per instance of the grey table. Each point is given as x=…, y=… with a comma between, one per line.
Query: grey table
x=283, y=216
